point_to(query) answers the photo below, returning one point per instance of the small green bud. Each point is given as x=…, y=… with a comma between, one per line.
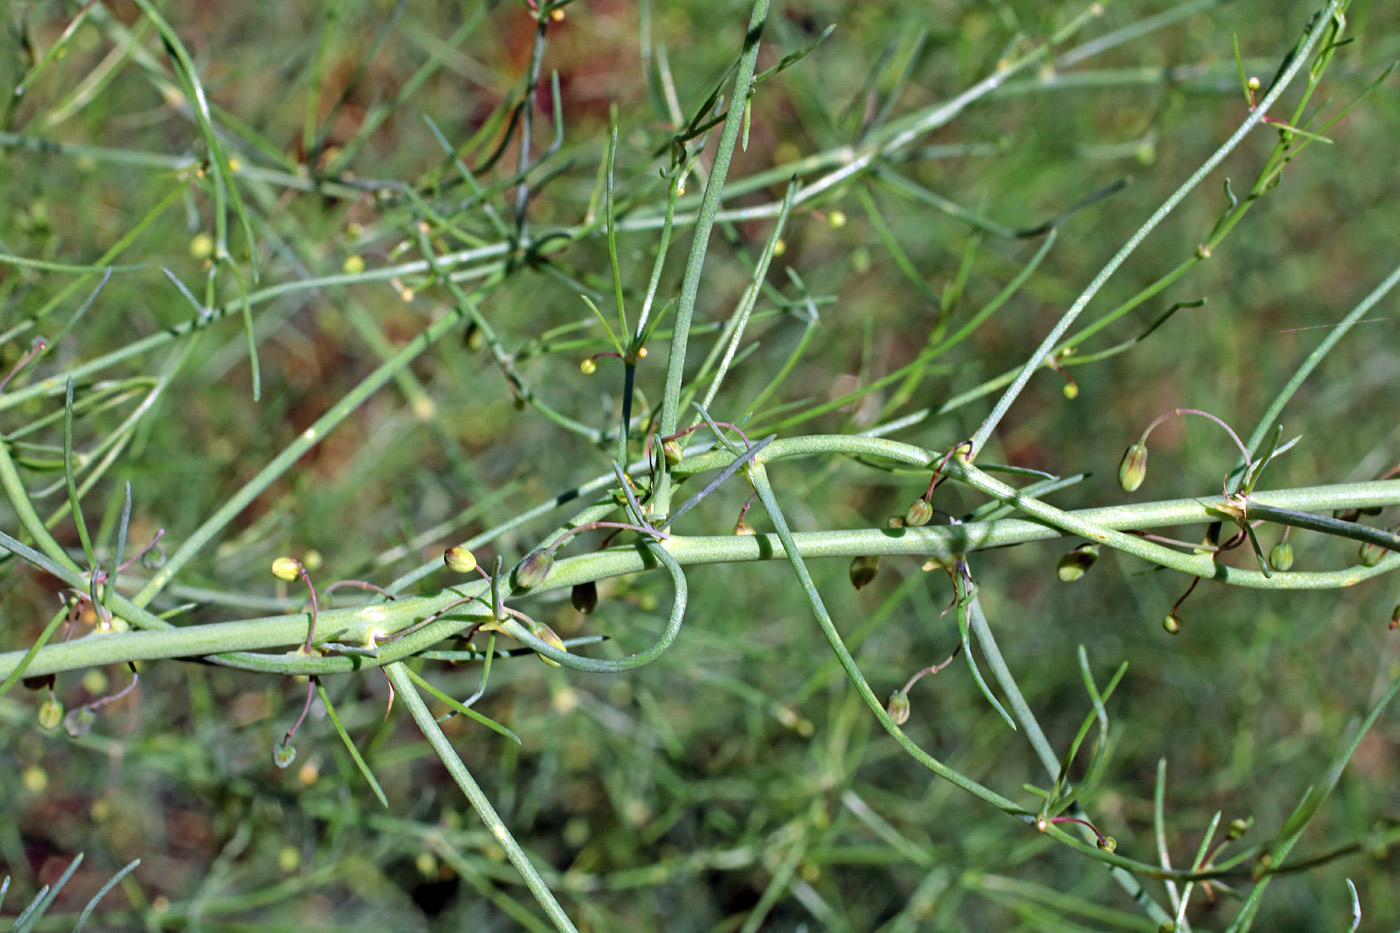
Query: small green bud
x=672, y=451
x=918, y=513
x=863, y=570
x=547, y=635
x=1132, y=470
x=1108, y=843
x=1281, y=556
x=588, y=367
x=895, y=521
x=79, y=722
x=283, y=754
x=1395, y=617
x=531, y=571
x=1237, y=828
x=1167, y=926
x=286, y=568
x=1172, y=624
x=742, y=527
x=459, y=559
x=1077, y=562
x=1370, y=554
x=898, y=707
x=50, y=714
x=1262, y=864
x=585, y=597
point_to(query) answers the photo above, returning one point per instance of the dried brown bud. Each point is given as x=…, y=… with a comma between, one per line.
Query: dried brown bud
x=585, y=597
x=863, y=570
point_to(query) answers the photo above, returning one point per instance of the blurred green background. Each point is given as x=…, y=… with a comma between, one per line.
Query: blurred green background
x=738, y=780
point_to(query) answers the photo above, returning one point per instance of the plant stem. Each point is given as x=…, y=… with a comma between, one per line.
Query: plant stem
x=406, y=691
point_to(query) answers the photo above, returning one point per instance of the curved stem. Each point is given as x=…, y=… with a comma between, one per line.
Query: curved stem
x=367, y=624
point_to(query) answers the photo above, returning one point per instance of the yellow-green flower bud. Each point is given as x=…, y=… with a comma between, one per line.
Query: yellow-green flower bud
x=286, y=568
x=1370, y=554
x=50, y=714
x=531, y=571
x=547, y=635
x=1237, y=829
x=588, y=367
x=1132, y=470
x=459, y=559
x=1108, y=843
x=1077, y=562
x=1281, y=556
x=863, y=570
x=672, y=451
x=918, y=513
x=1172, y=624
x=898, y=707
x=742, y=527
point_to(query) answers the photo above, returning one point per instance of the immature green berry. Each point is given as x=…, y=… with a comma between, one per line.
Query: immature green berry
x=898, y=707
x=918, y=513
x=283, y=754
x=585, y=597
x=531, y=571
x=1281, y=556
x=1172, y=624
x=1370, y=554
x=1132, y=470
x=863, y=570
x=672, y=451
x=79, y=722
x=459, y=559
x=1077, y=562
x=286, y=568
x=50, y=714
